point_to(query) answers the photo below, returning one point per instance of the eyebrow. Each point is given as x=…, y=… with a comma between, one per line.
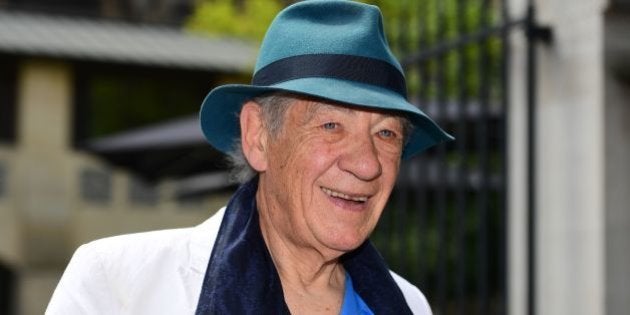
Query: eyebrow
x=317, y=106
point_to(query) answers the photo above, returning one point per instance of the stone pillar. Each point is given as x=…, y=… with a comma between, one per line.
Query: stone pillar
x=571, y=173
x=43, y=192
x=617, y=157
x=517, y=173
x=43, y=176
x=570, y=186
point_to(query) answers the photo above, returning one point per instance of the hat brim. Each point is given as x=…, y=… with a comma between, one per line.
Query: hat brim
x=221, y=107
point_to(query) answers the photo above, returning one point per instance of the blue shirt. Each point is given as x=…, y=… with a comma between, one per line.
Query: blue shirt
x=352, y=302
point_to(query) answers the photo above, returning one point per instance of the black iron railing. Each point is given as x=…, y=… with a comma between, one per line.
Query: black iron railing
x=445, y=228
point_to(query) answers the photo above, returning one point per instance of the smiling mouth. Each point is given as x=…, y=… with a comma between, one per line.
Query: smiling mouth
x=341, y=195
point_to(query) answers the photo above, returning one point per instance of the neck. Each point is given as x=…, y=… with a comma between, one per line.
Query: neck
x=312, y=279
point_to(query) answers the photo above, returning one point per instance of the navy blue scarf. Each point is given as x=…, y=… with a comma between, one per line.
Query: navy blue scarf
x=242, y=279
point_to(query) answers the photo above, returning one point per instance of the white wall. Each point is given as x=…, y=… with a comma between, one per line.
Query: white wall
x=570, y=186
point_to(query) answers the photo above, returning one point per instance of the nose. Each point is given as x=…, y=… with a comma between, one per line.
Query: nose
x=361, y=159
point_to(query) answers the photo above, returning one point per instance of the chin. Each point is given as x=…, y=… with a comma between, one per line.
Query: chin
x=346, y=244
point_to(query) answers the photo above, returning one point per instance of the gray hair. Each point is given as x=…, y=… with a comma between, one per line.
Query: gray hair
x=274, y=107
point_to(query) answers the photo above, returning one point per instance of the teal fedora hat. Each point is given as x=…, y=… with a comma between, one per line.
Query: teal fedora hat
x=334, y=50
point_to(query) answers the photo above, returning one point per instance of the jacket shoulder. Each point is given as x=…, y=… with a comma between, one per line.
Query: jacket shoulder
x=174, y=248
x=143, y=245
x=116, y=273
x=415, y=299
x=135, y=245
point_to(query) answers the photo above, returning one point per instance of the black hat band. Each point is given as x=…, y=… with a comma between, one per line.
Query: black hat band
x=344, y=67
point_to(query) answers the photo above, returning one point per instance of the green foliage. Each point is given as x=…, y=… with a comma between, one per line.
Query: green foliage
x=243, y=19
x=416, y=26
x=412, y=26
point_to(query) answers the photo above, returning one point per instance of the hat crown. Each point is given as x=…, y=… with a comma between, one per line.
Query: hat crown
x=329, y=49
x=326, y=27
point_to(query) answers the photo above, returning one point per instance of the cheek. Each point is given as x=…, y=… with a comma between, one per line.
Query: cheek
x=299, y=166
x=391, y=166
x=317, y=158
x=388, y=180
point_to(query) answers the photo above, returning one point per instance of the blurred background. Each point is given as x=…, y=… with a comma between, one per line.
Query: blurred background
x=527, y=212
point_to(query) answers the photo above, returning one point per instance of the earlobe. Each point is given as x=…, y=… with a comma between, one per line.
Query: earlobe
x=253, y=136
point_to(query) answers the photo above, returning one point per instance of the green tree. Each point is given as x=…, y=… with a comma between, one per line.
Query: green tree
x=243, y=19
x=411, y=26
x=415, y=26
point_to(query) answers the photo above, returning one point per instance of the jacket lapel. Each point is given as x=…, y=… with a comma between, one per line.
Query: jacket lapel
x=241, y=278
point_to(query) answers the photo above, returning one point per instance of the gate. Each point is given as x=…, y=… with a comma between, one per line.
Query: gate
x=445, y=226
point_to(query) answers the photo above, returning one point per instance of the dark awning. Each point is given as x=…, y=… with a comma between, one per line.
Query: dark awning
x=174, y=149
x=174, y=133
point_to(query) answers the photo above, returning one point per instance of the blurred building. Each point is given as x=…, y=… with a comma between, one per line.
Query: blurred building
x=82, y=83
x=171, y=12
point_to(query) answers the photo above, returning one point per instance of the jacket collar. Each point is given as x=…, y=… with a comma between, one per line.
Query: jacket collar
x=242, y=279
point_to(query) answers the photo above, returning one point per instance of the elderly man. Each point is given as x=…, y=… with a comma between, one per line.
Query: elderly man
x=317, y=138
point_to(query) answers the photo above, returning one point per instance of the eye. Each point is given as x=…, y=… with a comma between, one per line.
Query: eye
x=330, y=126
x=385, y=133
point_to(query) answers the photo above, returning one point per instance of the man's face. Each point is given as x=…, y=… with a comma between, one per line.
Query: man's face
x=329, y=174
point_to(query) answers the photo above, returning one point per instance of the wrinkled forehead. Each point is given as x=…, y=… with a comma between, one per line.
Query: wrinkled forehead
x=313, y=107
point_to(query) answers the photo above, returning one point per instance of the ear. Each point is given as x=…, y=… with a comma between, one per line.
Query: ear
x=253, y=136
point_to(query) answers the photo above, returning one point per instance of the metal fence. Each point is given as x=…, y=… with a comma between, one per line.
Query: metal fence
x=445, y=226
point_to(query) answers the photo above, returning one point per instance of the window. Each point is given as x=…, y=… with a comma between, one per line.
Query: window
x=8, y=290
x=96, y=185
x=8, y=117
x=143, y=193
x=83, y=7
x=113, y=99
x=153, y=11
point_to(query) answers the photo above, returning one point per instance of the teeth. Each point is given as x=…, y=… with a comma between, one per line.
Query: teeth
x=343, y=196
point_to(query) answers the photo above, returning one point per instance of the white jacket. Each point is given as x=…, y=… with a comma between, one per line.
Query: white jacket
x=158, y=272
